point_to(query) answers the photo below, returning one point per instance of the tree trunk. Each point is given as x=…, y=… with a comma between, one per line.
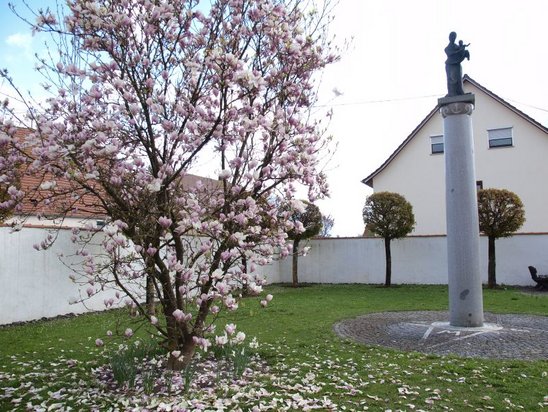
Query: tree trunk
x=296, y=263
x=245, y=289
x=177, y=363
x=492, y=274
x=388, y=276
x=151, y=308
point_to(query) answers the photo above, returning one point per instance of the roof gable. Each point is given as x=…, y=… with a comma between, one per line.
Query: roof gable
x=369, y=179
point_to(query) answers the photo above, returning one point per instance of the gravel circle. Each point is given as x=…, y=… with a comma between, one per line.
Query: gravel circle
x=522, y=337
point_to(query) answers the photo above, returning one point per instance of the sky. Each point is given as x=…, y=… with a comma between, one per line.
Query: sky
x=389, y=77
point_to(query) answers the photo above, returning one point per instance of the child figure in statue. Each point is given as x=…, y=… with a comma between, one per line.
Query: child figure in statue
x=463, y=47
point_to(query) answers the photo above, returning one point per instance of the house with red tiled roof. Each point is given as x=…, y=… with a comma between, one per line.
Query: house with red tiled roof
x=510, y=148
x=66, y=204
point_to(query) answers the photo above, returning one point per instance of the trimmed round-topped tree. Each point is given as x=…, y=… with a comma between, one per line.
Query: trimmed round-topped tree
x=390, y=216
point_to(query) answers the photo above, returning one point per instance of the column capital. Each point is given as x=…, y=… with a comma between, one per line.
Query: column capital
x=452, y=109
x=461, y=104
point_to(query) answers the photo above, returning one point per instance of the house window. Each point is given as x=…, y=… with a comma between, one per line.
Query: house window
x=500, y=137
x=479, y=184
x=436, y=143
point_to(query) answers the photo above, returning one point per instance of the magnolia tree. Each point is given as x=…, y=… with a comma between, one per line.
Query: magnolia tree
x=145, y=93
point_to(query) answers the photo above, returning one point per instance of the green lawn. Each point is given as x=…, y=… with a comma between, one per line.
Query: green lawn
x=50, y=362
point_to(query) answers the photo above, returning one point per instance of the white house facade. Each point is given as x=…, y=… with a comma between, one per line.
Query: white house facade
x=511, y=152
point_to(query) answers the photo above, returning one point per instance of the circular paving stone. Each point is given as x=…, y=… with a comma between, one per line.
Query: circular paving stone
x=501, y=337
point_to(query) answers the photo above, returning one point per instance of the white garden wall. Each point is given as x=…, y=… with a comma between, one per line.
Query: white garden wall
x=415, y=259
x=35, y=284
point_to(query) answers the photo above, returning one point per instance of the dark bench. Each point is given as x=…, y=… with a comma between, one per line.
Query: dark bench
x=542, y=281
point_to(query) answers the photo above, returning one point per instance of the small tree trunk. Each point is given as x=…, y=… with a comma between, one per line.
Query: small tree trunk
x=492, y=268
x=150, y=293
x=388, y=276
x=245, y=289
x=296, y=263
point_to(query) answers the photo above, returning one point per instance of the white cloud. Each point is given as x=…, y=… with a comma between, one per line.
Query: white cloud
x=23, y=41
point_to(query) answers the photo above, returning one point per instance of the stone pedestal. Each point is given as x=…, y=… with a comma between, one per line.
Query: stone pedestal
x=465, y=289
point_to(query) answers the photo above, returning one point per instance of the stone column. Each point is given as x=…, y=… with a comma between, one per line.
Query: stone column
x=465, y=289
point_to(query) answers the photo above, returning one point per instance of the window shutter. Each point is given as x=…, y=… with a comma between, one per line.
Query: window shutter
x=500, y=137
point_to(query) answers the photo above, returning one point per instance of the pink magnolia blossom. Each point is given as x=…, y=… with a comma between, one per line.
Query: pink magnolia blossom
x=164, y=222
x=224, y=174
x=203, y=343
x=155, y=185
x=119, y=239
x=128, y=333
x=223, y=288
x=179, y=315
x=46, y=19
x=254, y=289
x=298, y=205
x=99, y=342
x=221, y=340
x=299, y=227
x=230, y=328
x=226, y=255
x=230, y=303
x=217, y=274
x=205, y=247
x=239, y=338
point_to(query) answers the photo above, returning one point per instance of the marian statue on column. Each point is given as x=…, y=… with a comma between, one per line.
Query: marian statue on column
x=456, y=53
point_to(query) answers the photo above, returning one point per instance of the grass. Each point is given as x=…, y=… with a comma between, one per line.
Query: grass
x=305, y=357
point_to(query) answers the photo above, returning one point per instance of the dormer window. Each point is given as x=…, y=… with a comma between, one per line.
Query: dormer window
x=500, y=137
